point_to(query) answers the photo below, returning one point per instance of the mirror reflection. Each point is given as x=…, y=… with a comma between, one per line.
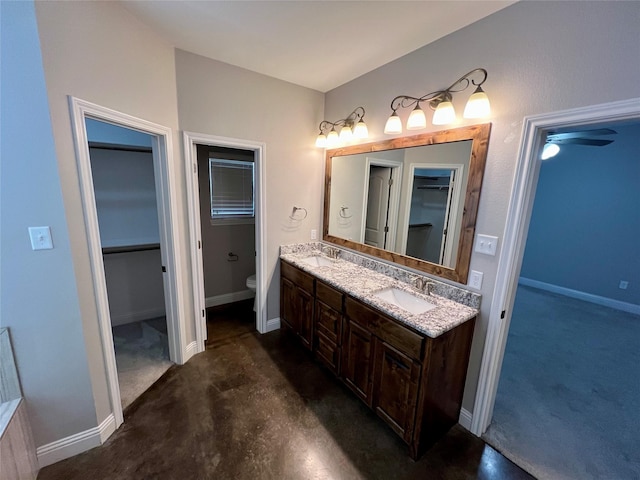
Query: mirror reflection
x=411, y=200
x=407, y=200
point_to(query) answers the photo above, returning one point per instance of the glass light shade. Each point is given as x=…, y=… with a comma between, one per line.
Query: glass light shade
x=333, y=138
x=361, y=130
x=346, y=134
x=478, y=105
x=416, y=120
x=444, y=114
x=321, y=141
x=393, y=125
x=549, y=150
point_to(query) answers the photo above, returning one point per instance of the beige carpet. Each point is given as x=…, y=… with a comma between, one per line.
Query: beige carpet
x=568, y=402
x=142, y=356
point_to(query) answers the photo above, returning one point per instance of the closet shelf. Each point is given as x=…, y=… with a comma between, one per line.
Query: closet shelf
x=131, y=248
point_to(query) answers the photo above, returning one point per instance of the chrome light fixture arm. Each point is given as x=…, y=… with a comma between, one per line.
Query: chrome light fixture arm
x=351, y=126
x=352, y=119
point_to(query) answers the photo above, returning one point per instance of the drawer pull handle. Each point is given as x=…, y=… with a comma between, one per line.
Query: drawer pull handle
x=397, y=363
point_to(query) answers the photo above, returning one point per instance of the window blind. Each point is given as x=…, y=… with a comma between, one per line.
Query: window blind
x=231, y=188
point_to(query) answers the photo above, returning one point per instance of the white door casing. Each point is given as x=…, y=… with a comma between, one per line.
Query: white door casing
x=190, y=140
x=167, y=204
x=520, y=205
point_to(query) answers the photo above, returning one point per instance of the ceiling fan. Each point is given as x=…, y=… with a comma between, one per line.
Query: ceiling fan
x=576, y=137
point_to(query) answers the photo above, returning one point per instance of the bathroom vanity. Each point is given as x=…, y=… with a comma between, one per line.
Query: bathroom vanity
x=402, y=351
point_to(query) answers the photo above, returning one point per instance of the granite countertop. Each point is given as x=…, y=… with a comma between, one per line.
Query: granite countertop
x=361, y=283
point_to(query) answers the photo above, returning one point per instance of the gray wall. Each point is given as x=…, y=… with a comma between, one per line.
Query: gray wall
x=220, y=275
x=219, y=99
x=39, y=292
x=541, y=57
x=585, y=222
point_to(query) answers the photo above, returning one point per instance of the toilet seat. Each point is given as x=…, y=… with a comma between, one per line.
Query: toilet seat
x=251, y=282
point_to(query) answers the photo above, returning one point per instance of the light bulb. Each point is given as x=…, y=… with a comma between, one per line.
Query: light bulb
x=478, y=105
x=321, y=141
x=444, y=114
x=361, y=130
x=549, y=150
x=416, y=120
x=393, y=125
x=346, y=134
x=333, y=139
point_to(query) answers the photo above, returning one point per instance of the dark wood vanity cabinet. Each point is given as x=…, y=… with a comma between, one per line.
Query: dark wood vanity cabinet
x=413, y=382
x=297, y=294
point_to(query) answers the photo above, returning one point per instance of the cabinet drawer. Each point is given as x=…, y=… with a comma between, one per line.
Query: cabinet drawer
x=383, y=327
x=329, y=295
x=328, y=352
x=328, y=322
x=299, y=278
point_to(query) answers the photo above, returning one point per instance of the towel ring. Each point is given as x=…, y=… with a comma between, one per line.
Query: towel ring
x=296, y=210
x=343, y=212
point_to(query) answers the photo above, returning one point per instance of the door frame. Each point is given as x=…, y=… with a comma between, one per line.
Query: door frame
x=515, y=235
x=190, y=140
x=458, y=168
x=167, y=207
x=394, y=198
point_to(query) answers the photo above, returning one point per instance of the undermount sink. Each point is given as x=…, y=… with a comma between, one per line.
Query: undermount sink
x=405, y=300
x=317, y=261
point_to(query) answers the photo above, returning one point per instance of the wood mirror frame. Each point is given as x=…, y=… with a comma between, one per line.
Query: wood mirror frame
x=479, y=134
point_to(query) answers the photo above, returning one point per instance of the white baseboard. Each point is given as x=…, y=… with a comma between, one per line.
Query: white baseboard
x=73, y=445
x=190, y=351
x=229, y=298
x=131, y=317
x=465, y=418
x=273, y=324
x=587, y=297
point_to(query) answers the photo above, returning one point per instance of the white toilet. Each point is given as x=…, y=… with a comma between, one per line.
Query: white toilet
x=251, y=285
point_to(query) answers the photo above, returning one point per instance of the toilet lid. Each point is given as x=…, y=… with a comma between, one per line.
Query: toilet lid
x=251, y=281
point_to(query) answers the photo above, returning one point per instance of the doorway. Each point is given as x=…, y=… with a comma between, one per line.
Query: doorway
x=527, y=170
x=124, y=185
x=191, y=143
x=380, y=204
x=172, y=263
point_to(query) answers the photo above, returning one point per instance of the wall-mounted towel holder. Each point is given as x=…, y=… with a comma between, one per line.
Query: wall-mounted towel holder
x=294, y=213
x=343, y=212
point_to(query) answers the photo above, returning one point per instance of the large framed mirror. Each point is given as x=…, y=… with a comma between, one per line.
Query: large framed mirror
x=411, y=200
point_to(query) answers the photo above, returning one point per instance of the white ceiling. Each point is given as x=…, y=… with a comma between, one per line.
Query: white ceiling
x=316, y=44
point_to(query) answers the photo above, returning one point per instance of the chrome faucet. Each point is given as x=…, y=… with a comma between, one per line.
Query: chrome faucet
x=423, y=284
x=332, y=252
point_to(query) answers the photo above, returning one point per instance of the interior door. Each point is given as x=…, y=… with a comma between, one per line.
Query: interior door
x=444, y=252
x=376, y=227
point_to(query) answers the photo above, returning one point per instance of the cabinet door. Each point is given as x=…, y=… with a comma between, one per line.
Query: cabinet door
x=395, y=388
x=356, y=356
x=305, y=317
x=288, y=304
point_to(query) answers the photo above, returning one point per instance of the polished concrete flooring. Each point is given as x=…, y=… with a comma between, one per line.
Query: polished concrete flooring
x=258, y=407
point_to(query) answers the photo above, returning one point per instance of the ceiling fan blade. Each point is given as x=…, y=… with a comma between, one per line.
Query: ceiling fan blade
x=580, y=133
x=592, y=142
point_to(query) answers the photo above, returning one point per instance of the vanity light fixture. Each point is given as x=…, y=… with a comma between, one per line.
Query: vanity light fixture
x=477, y=106
x=549, y=150
x=351, y=127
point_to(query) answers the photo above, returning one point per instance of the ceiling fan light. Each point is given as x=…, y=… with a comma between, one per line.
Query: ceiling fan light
x=444, y=114
x=393, y=125
x=549, y=150
x=361, y=130
x=346, y=134
x=417, y=119
x=478, y=105
x=321, y=141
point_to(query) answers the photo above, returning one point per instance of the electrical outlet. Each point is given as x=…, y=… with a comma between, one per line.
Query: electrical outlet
x=40, y=238
x=475, y=279
x=623, y=285
x=314, y=234
x=486, y=244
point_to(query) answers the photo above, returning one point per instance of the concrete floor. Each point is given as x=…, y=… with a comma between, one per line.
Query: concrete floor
x=258, y=407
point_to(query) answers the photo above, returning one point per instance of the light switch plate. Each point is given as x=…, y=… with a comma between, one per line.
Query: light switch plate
x=314, y=234
x=40, y=238
x=475, y=279
x=486, y=244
